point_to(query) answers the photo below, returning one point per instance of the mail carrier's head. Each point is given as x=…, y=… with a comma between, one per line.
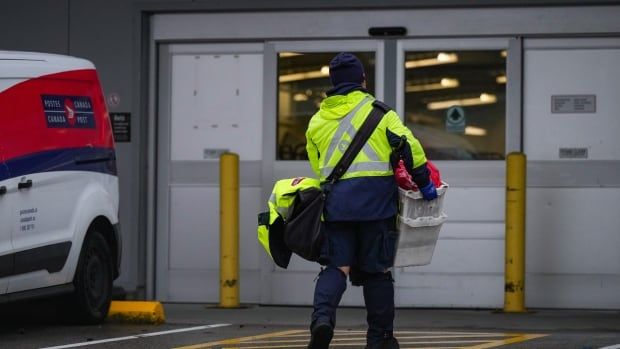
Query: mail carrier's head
x=346, y=68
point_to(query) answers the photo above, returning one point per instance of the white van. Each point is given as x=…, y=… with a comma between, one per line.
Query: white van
x=58, y=183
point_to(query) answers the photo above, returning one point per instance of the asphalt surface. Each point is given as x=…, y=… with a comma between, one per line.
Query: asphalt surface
x=192, y=326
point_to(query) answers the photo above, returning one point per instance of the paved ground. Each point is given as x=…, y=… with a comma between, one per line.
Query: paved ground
x=193, y=326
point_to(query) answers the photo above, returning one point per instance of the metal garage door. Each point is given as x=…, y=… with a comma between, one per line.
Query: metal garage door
x=210, y=101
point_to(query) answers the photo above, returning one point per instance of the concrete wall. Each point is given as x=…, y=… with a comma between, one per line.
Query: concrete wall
x=26, y=25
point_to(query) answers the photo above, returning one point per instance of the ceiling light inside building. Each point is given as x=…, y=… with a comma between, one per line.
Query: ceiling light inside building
x=289, y=54
x=300, y=97
x=475, y=131
x=442, y=58
x=442, y=84
x=447, y=57
x=485, y=98
x=501, y=79
x=313, y=74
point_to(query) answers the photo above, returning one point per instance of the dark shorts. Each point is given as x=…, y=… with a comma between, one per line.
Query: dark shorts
x=369, y=246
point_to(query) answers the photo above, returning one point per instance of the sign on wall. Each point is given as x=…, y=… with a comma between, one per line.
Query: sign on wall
x=455, y=119
x=570, y=104
x=121, y=126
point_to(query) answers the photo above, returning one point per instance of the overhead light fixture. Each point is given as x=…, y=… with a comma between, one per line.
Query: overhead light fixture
x=289, y=54
x=475, y=131
x=314, y=74
x=300, y=97
x=442, y=58
x=501, y=79
x=485, y=98
x=504, y=53
x=442, y=84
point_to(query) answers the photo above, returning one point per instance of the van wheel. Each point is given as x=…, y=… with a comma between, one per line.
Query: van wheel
x=93, y=280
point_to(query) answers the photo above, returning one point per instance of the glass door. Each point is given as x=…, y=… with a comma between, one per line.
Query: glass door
x=298, y=75
x=452, y=94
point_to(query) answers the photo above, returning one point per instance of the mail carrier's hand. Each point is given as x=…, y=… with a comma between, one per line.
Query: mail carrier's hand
x=429, y=192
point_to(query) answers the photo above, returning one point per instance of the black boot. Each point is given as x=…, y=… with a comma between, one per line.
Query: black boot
x=321, y=335
x=387, y=343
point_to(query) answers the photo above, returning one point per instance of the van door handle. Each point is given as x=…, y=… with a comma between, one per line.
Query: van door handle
x=2, y=190
x=25, y=185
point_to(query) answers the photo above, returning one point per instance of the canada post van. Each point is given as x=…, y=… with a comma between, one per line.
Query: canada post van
x=58, y=184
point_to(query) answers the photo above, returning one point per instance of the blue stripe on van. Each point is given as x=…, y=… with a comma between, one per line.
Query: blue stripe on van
x=102, y=160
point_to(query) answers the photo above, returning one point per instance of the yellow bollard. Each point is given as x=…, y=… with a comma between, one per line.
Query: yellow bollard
x=229, y=230
x=514, y=290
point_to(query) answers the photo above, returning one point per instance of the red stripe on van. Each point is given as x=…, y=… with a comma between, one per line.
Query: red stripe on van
x=23, y=125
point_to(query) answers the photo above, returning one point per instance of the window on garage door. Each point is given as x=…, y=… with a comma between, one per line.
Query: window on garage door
x=303, y=80
x=455, y=102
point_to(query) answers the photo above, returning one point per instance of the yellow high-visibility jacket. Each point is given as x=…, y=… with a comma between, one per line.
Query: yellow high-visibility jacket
x=271, y=223
x=367, y=191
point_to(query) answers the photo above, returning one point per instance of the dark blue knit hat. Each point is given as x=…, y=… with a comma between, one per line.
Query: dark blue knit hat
x=345, y=67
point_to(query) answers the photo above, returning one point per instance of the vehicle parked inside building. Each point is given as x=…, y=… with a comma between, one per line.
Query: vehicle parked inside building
x=58, y=184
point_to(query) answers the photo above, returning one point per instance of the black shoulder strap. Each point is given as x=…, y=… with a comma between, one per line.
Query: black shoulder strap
x=358, y=141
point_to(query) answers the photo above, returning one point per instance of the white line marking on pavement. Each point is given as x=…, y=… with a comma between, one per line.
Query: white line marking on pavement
x=153, y=334
x=617, y=346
